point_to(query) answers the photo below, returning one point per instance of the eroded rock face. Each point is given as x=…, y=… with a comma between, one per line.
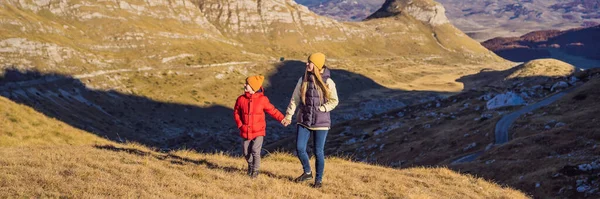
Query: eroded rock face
x=434, y=15
x=426, y=11
x=257, y=16
x=181, y=10
x=69, y=36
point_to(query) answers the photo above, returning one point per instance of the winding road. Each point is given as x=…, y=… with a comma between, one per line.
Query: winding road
x=504, y=124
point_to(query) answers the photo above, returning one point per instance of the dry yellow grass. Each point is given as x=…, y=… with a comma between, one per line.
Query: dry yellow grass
x=43, y=157
x=21, y=125
x=543, y=67
x=132, y=171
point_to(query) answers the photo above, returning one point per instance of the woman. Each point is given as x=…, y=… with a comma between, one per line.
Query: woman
x=315, y=96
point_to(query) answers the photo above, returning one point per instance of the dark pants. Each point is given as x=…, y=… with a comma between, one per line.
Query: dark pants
x=318, y=143
x=252, y=152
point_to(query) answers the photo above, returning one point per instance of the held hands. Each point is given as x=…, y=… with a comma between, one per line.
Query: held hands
x=322, y=109
x=285, y=122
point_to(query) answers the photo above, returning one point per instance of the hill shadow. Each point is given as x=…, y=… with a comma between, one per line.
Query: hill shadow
x=125, y=117
x=120, y=117
x=413, y=132
x=288, y=73
x=571, y=54
x=359, y=96
x=487, y=79
x=501, y=80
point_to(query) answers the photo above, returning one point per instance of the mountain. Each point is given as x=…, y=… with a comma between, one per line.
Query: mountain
x=462, y=131
x=114, y=98
x=87, y=36
x=484, y=20
x=152, y=71
x=576, y=46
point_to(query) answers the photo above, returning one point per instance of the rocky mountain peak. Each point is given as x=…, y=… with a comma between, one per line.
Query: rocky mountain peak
x=62, y=35
x=426, y=11
x=246, y=16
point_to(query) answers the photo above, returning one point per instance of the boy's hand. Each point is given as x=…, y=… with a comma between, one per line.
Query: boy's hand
x=285, y=122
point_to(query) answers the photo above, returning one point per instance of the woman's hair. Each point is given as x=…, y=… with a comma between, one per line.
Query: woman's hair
x=321, y=86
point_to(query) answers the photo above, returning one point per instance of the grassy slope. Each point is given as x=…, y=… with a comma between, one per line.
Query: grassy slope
x=141, y=41
x=23, y=126
x=73, y=163
x=110, y=41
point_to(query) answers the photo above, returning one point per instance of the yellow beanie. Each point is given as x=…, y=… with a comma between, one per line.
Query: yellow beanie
x=318, y=59
x=255, y=81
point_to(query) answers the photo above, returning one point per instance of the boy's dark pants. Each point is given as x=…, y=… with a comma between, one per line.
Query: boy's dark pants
x=252, y=150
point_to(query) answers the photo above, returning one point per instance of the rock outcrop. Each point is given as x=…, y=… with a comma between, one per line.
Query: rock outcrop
x=82, y=36
x=504, y=100
x=427, y=11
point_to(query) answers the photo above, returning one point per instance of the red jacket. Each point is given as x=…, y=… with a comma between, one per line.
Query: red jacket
x=249, y=114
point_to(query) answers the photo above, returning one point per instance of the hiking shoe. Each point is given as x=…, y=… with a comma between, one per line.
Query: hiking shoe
x=304, y=177
x=249, y=173
x=317, y=185
x=254, y=174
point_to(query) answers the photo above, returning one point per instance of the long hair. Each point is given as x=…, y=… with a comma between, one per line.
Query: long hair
x=322, y=88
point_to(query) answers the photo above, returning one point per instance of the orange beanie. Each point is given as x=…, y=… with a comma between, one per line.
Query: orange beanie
x=255, y=81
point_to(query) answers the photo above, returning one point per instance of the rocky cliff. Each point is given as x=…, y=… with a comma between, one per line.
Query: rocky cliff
x=75, y=37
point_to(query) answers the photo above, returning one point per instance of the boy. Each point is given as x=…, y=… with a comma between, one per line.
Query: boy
x=249, y=114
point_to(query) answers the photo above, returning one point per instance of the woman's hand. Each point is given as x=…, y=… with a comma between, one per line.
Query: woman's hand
x=322, y=109
x=285, y=122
